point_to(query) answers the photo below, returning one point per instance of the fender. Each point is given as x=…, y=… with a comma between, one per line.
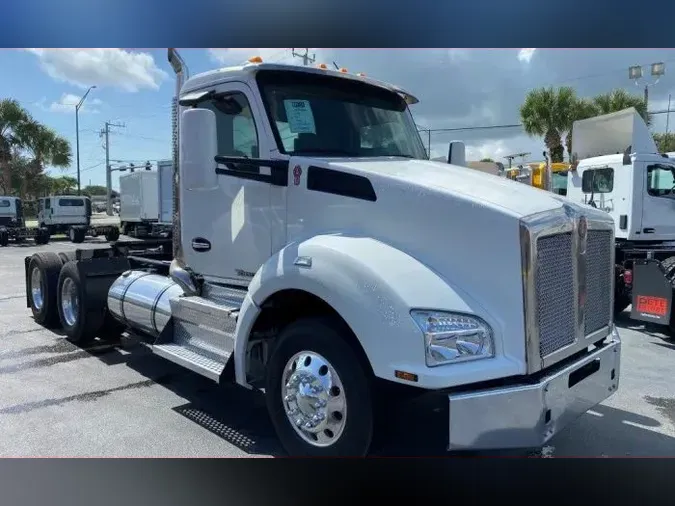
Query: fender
x=373, y=286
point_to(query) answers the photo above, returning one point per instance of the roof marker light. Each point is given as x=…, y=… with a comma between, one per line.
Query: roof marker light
x=322, y=66
x=255, y=59
x=361, y=74
x=343, y=70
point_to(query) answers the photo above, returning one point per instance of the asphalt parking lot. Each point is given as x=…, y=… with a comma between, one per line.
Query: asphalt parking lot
x=118, y=400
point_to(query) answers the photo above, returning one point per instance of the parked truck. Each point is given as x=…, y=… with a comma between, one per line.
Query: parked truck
x=71, y=215
x=618, y=169
x=317, y=267
x=164, y=225
x=139, y=202
x=13, y=223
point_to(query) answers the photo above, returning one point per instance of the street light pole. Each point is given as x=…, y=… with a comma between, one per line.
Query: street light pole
x=77, y=135
x=635, y=73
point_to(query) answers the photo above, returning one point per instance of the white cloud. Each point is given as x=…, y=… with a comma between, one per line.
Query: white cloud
x=68, y=101
x=525, y=55
x=126, y=70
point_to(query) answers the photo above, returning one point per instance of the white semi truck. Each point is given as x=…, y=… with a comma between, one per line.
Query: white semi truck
x=618, y=169
x=318, y=256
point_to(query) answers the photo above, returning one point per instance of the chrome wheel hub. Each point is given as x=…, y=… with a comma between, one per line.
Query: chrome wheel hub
x=70, y=302
x=36, y=288
x=313, y=398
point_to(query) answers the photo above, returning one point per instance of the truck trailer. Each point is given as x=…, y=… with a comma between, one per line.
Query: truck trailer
x=164, y=224
x=319, y=256
x=139, y=202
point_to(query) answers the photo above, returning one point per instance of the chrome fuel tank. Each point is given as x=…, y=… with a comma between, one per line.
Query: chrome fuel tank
x=141, y=300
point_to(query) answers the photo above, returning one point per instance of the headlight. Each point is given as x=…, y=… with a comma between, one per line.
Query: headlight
x=452, y=338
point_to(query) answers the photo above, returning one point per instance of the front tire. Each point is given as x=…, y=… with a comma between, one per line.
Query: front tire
x=317, y=392
x=79, y=320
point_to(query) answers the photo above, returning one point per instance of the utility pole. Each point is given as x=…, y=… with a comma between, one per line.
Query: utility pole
x=108, y=174
x=306, y=59
x=77, y=135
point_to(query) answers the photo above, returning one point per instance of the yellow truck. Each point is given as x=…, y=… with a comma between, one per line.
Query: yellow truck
x=534, y=174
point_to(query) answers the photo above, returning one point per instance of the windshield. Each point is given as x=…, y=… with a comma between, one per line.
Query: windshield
x=320, y=114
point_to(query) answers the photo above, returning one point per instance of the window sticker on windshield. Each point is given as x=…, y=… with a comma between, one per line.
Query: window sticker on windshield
x=300, y=117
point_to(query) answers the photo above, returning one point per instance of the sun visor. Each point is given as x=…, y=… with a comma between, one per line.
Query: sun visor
x=611, y=134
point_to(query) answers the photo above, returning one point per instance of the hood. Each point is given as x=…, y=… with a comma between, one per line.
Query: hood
x=513, y=197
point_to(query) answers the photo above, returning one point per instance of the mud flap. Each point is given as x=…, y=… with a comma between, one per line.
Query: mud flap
x=652, y=292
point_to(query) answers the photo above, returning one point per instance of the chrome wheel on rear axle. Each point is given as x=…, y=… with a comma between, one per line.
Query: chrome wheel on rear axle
x=314, y=399
x=36, y=289
x=70, y=302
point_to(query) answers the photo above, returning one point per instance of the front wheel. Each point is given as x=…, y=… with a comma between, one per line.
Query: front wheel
x=318, y=393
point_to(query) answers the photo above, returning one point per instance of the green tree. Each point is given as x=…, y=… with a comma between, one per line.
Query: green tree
x=12, y=116
x=44, y=147
x=548, y=112
x=489, y=160
x=665, y=142
x=583, y=108
x=94, y=190
x=619, y=99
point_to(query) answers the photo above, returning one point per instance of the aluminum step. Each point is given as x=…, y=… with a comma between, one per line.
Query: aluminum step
x=191, y=357
x=203, y=334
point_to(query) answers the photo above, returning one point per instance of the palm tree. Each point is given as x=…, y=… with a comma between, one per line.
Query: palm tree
x=619, y=99
x=45, y=148
x=12, y=116
x=548, y=112
x=583, y=108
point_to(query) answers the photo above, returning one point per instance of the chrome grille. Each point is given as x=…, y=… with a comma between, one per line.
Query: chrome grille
x=598, y=280
x=554, y=288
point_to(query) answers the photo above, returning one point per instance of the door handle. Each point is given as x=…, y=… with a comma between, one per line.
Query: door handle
x=201, y=245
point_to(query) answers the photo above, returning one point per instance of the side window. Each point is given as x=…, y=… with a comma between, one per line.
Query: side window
x=48, y=203
x=660, y=180
x=236, y=128
x=598, y=180
x=71, y=203
x=4, y=203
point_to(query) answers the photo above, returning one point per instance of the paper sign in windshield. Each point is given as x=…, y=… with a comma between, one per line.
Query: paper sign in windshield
x=300, y=117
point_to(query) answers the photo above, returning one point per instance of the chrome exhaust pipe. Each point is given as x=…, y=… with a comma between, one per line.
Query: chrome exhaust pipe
x=182, y=74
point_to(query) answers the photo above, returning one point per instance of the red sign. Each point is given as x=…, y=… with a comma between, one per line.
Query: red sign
x=652, y=305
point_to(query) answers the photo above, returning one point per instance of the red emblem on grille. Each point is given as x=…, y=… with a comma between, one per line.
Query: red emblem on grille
x=297, y=172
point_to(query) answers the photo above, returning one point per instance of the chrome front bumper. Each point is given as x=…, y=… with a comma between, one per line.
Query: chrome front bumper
x=528, y=415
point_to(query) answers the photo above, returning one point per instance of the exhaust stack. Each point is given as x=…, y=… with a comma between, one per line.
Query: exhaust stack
x=182, y=74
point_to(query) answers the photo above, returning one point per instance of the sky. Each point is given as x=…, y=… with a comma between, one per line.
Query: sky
x=457, y=88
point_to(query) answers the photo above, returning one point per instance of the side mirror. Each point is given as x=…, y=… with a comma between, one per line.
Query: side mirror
x=198, y=149
x=457, y=153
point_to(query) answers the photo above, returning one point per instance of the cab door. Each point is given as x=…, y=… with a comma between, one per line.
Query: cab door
x=226, y=231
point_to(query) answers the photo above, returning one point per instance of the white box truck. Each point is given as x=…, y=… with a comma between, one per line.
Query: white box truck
x=139, y=202
x=319, y=257
x=164, y=223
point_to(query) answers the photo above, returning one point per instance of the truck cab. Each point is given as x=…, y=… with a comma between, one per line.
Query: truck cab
x=318, y=254
x=11, y=212
x=59, y=213
x=618, y=169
